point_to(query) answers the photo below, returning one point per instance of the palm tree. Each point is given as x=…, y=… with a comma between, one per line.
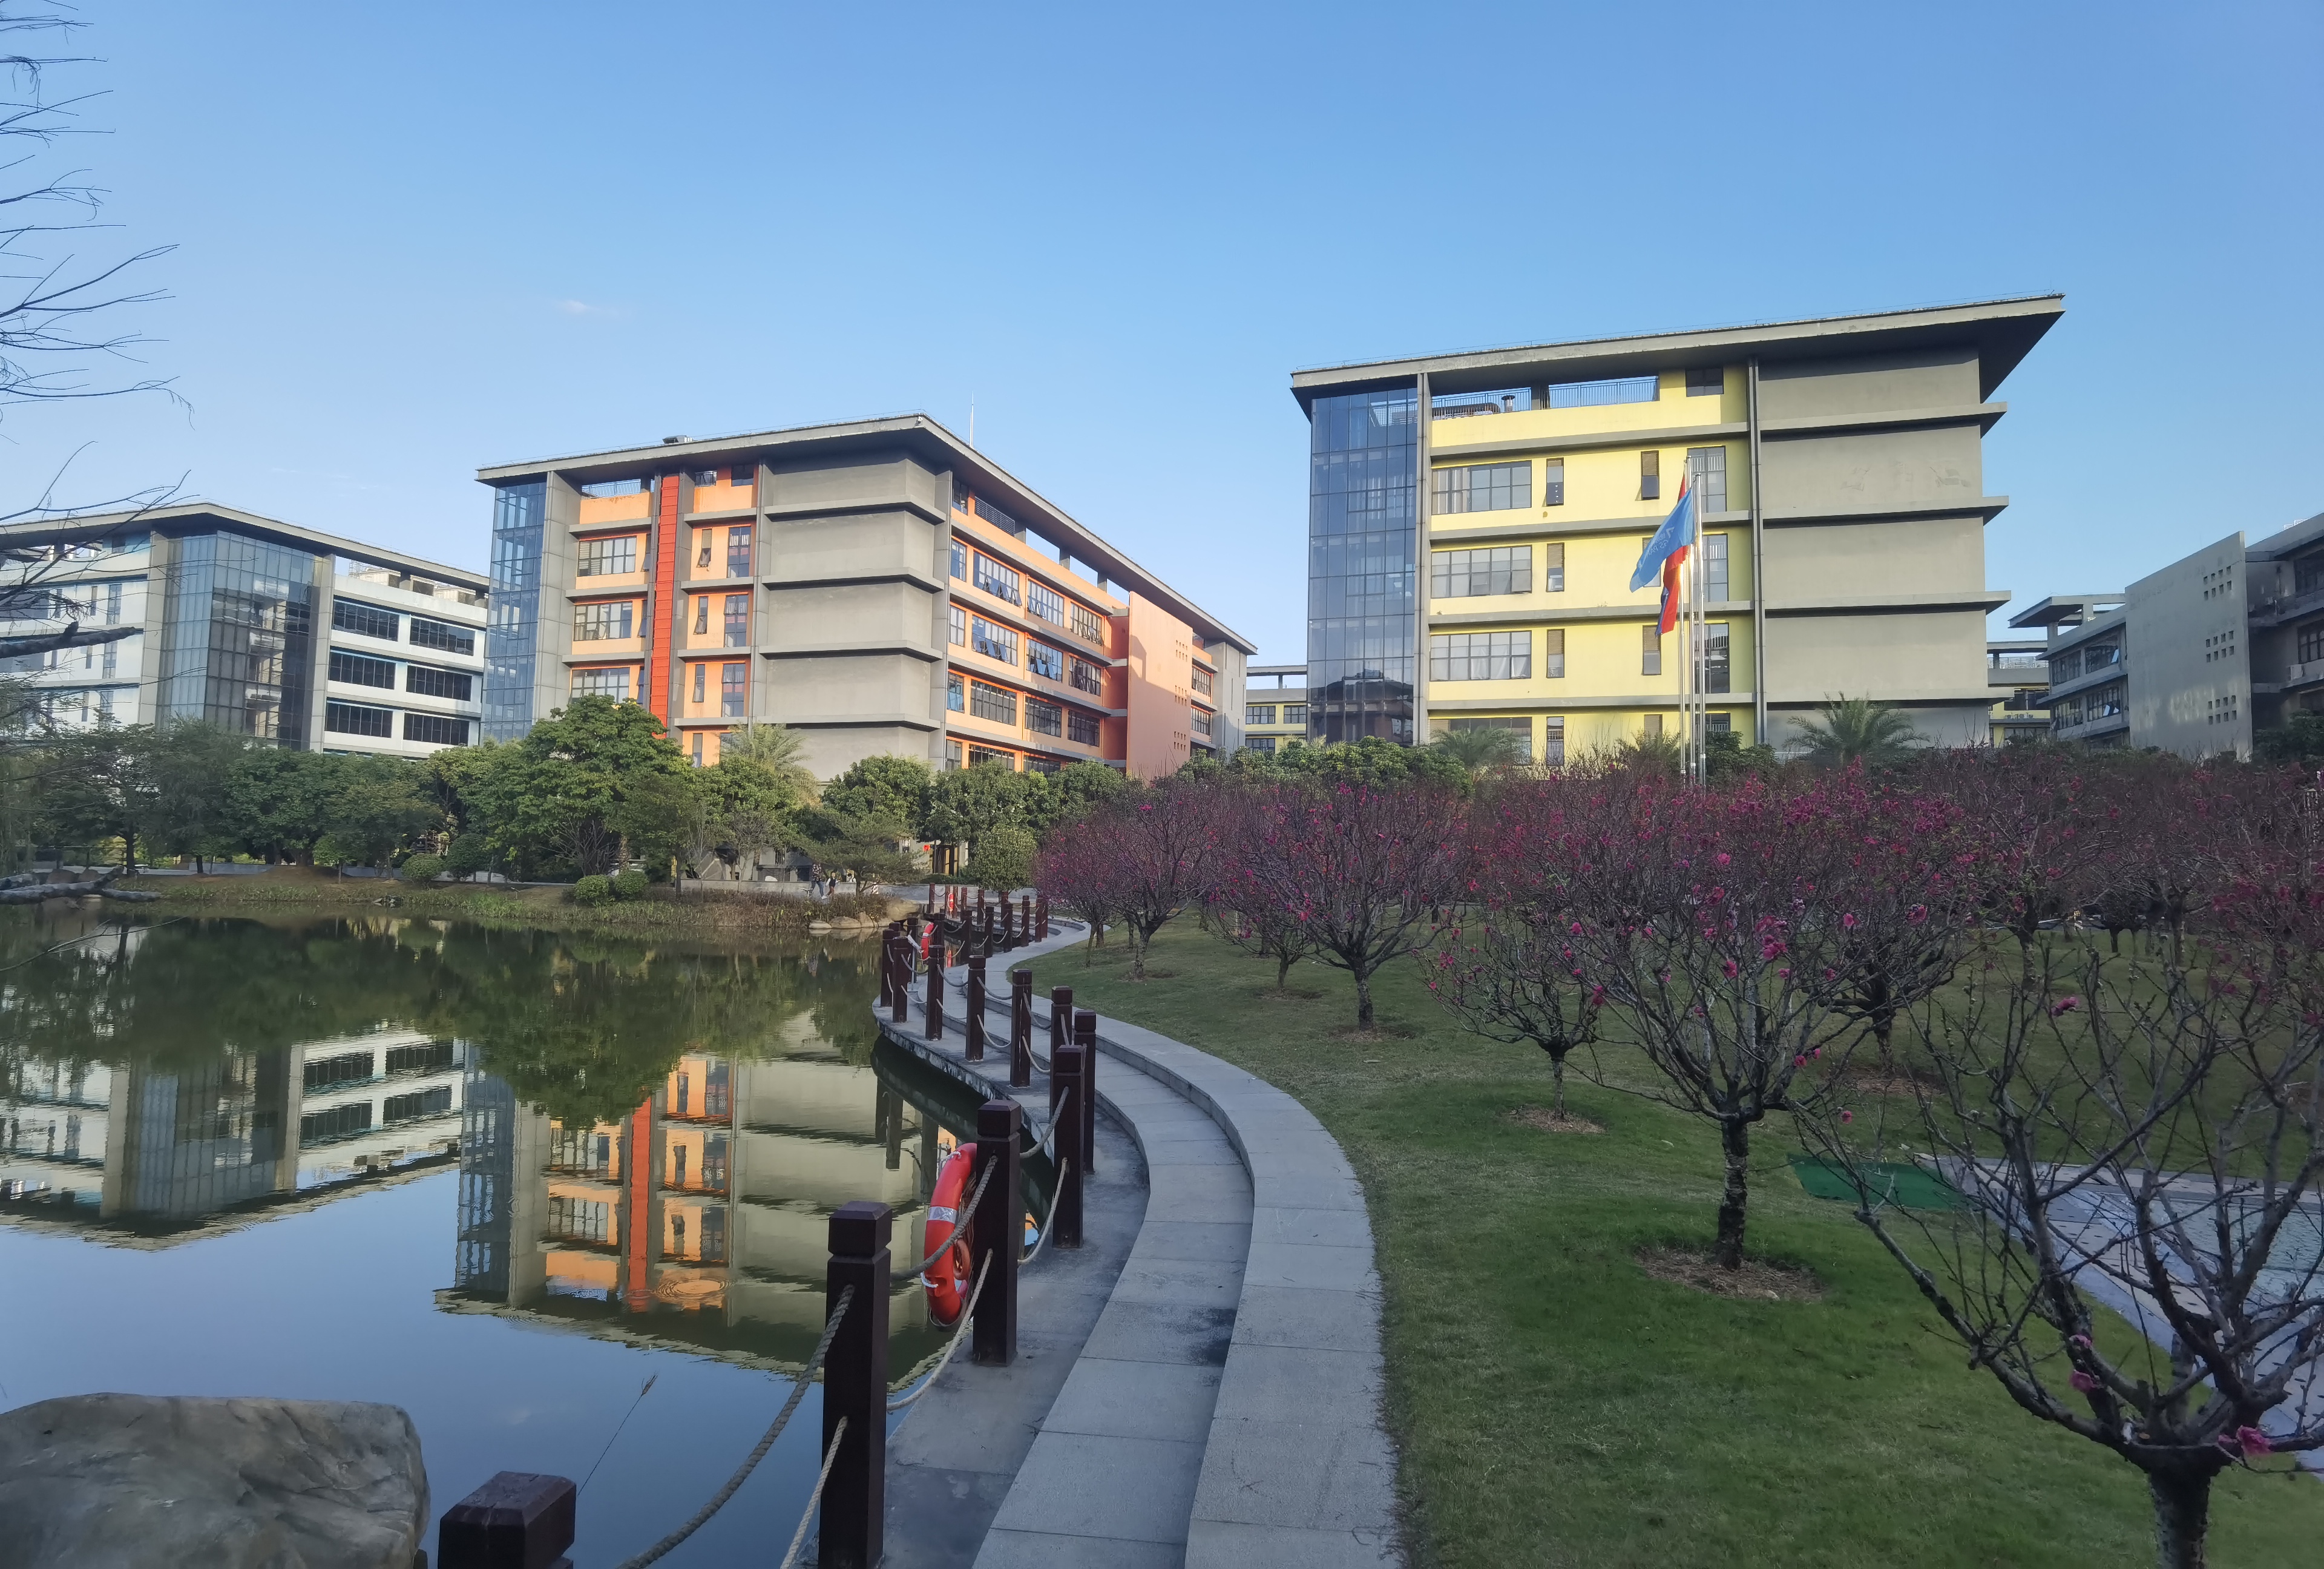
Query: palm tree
x=1482, y=749
x=1857, y=730
x=1653, y=752
x=775, y=750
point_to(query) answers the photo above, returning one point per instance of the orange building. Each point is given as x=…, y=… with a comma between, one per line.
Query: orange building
x=878, y=585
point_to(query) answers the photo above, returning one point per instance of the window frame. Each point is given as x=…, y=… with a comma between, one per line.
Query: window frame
x=1650, y=474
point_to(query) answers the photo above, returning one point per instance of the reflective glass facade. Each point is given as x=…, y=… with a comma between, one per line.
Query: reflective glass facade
x=512, y=634
x=1362, y=604
x=238, y=637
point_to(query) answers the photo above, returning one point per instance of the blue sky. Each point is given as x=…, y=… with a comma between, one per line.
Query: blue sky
x=412, y=240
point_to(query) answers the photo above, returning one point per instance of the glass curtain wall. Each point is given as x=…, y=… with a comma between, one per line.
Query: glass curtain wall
x=1362, y=607
x=511, y=633
x=238, y=637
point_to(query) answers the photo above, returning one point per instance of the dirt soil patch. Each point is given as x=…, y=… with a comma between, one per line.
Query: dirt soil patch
x=1870, y=1080
x=1551, y=1121
x=1375, y=1035
x=1756, y=1281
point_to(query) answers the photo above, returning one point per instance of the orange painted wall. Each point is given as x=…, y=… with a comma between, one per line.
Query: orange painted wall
x=667, y=541
x=1160, y=652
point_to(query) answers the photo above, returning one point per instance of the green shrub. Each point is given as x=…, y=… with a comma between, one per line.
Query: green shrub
x=630, y=884
x=468, y=854
x=1004, y=858
x=593, y=890
x=420, y=868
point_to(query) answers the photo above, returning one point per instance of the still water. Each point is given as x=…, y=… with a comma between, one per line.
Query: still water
x=499, y=1178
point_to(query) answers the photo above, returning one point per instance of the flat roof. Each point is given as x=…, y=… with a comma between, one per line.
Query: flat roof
x=917, y=434
x=2003, y=331
x=184, y=517
x=2299, y=536
x=2060, y=608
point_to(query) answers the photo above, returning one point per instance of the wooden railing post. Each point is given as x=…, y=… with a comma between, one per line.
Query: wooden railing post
x=935, y=1030
x=516, y=1517
x=1021, y=1028
x=899, y=995
x=1085, y=1114
x=1068, y=1091
x=855, y=1387
x=1061, y=1018
x=886, y=966
x=1041, y=913
x=975, y=1008
x=1000, y=1234
x=932, y=896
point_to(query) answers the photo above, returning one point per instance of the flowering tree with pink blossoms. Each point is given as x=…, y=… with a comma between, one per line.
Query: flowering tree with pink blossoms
x=1158, y=846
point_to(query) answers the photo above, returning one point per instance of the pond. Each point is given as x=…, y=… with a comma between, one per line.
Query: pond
x=500, y=1178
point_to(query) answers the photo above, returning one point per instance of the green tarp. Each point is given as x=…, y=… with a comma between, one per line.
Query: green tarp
x=1906, y=1186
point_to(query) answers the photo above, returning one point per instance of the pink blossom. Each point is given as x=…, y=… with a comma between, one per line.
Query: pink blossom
x=2083, y=1381
x=1800, y=1061
x=1727, y=967
x=2254, y=1442
x=2064, y=1005
x=1847, y=1116
x=2079, y=1342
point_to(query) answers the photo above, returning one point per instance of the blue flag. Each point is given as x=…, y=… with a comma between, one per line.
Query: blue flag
x=1676, y=532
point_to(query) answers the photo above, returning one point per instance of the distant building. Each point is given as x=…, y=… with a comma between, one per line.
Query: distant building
x=2194, y=659
x=274, y=632
x=1474, y=519
x=2018, y=672
x=879, y=585
x=1275, y=707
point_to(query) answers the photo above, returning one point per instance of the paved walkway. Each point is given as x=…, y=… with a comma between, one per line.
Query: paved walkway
x=1224, y=1407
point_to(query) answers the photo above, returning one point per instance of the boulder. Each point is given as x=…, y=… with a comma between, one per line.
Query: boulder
x=121, y=1481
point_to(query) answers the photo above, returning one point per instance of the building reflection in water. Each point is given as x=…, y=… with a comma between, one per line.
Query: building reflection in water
x=701, y=1217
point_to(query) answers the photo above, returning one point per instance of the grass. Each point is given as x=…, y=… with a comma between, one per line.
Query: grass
x=1557, y=1405
x=302, y=889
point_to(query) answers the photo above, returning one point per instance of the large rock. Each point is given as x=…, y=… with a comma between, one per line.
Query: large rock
x=120, y=1482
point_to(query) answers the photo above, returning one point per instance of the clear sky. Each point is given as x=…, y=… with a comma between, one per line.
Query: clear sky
x=416, y=239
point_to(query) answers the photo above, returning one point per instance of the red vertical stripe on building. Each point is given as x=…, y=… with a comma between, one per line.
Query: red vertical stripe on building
x=661, y=613
x=640, y=1245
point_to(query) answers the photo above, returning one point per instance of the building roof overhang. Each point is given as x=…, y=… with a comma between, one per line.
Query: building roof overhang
x=2066, y=609
x=2003, y=331
x=917, y=434
x=197, y=517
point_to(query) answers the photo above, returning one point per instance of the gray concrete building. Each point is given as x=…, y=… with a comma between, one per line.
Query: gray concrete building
x=1474, y=564
x=269, y=630
x=880, y=586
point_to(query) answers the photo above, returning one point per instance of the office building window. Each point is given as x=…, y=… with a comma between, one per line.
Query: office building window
x=1043, y=765
x=518, y=523
x=434, y=1057
x=1552, y=568
x=1714, y=656
x=994, y=642
x=357, y=670
x=995, y=516
x=614, y=684
x=1044, y=660
x=334, y=1122
x=1553, y=653
x=1200, y=679
x=1047, y=718
x=952, y=748
x=1653, y=726
x=701, y=682
x=1650, y=476
x=743, y=476
x=606, y=622
x=435, y=729
x=992, y=703
x=1553, y=483
x=1480, y=656
x=112, y=667
x=703, y=475
x=1705, y=380
x=1463, y=574
x=364, y=620
x=702, y=615
x=430, y=682
x=356, y=719
x=1718, y=724
x=960, y=560
x=1650, y=653
x=738, y=551
x=1202, y=722
x=443, y=635
x=1085, y=676
x=604, y=558
x=1597, y=394
x=1089, y=626
x=955, y=693
x=1294, y=713
x=1553, y=742
x=703, y=539
x=986, y=757
x=959, y=626
x=1483, y=487
x=1714, y=567
x=734, y=690
x=1706, y=466
x=1259, y=713
x=113, y=605
x=1046, y=603
x=1264, y=743
x=606, y=487
x=2311, y=642
x=1000, y=582
x=695, y=754
x=1520, y=728
x=737, y=620
x=1081, y=728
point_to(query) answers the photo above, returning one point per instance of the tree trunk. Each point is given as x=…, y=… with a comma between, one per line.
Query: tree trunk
x=1363, y=999
x=1735, y=1139
x=1557, y=1082
x=1138, y=937
x=2182, y=1515
x=1283, y=970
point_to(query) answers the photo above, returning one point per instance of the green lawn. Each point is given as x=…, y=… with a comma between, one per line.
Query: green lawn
x=1555, y=1405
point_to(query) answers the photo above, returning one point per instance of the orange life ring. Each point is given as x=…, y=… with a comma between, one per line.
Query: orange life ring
x=947, y=1278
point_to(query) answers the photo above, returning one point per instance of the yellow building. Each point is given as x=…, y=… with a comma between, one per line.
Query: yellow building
x=1474, y=520
x=1275, y=706
x=2018, y=671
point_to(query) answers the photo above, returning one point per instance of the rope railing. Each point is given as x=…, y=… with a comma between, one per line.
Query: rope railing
x=815, y=1499
x=751, y=1464
x=968, y=1208
x=1048, y=1222
x=967, y=1316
